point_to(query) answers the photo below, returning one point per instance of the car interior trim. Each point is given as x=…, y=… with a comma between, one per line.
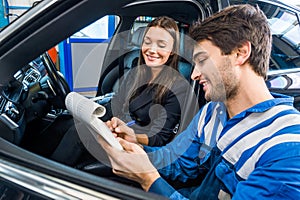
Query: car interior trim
x=9, y=122
x=50, y=86
x=46, y=185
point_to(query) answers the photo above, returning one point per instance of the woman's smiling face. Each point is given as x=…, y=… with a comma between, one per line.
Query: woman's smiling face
x=157, y=46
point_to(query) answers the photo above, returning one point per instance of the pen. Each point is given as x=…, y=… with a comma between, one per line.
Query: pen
x=130, y=123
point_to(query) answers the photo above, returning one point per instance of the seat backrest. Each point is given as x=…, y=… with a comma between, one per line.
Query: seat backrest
x=134, y=51
x=137, y=37
x=185, y=69
x=130, y=60
x=110, y=82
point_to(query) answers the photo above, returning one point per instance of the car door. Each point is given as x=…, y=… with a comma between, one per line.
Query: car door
x=25, y=175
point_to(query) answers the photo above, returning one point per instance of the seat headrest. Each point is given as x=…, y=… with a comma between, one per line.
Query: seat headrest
x=137, y=37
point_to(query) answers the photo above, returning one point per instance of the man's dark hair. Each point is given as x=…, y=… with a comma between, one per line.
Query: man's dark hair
x=234, y=25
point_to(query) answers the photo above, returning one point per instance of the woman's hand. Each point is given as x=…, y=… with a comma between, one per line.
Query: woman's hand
x=132, y=163
x=119, y=128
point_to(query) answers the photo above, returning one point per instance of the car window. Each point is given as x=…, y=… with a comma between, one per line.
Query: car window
x=86, y=50
x=100, y=29
x=286, y=37
x=141, y=21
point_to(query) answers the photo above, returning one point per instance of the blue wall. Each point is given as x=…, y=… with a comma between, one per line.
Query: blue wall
x=3, y=19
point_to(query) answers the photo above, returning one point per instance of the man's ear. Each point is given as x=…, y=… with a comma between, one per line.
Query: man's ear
x=243, y=53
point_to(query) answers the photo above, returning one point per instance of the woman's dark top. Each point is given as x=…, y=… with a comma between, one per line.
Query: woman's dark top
x=158, y=121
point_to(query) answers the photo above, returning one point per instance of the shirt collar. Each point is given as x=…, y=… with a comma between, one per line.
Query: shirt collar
x=279, y=99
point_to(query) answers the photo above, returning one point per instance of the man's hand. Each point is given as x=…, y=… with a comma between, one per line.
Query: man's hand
x=132, y=163
x=119, y=128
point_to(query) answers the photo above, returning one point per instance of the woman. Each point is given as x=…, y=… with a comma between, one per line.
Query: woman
x=152, y=92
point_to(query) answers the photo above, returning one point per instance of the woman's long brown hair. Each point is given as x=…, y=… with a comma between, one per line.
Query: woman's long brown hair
x=168, y=74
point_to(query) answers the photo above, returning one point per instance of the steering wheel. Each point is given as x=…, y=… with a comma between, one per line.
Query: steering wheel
x=56, y=82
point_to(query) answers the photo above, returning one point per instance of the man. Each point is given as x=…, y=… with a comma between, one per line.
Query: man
x=245, y=142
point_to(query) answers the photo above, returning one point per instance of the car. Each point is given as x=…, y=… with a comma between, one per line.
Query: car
x=33, y=90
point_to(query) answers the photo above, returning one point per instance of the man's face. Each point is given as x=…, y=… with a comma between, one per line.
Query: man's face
x=215, y=72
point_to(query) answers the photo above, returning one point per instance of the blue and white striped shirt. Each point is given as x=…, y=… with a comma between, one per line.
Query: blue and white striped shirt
x=260, y=150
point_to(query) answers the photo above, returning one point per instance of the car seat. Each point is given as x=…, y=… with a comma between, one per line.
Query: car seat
x=109, y=82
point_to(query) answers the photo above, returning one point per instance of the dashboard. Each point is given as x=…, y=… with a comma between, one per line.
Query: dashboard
x=21, y=100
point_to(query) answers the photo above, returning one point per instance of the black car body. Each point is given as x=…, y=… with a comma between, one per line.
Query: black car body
x=30, y=95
